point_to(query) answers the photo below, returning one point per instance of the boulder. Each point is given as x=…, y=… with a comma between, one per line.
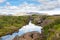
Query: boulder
x=29, y=36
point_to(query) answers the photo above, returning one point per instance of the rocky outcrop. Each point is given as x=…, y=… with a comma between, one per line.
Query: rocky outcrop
x=47, y=24
x=29, y=36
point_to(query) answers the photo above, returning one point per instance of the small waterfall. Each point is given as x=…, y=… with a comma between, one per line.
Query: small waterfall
x=30, y=23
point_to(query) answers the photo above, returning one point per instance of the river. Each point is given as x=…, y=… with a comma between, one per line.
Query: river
x=27, y=28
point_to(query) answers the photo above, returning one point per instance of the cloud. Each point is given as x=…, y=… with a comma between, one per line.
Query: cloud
x=8, y=3
x=28, y=7
x=1, y=1
x=45, y=6
x=25, y=7
x=49, y=4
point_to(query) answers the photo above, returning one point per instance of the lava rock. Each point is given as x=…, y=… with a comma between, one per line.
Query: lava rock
x=29, y=36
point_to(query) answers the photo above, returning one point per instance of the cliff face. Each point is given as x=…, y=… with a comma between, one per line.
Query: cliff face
x=29, y=36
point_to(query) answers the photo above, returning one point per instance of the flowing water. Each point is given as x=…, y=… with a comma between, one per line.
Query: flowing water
x=27, y=28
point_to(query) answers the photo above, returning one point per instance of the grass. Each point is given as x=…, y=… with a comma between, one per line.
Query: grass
x=51, y=28
x=53, y=34
x=10, y=24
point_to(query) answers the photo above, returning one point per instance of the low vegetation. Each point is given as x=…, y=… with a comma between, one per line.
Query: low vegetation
x=50, y=24
x=10, y=24
x=52, y=29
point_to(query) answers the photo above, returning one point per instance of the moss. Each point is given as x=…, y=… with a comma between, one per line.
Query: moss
x=49, y=28
x=53, y=34
x=10, y=24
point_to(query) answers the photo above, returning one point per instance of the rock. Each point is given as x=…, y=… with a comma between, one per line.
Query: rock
x=29, y=36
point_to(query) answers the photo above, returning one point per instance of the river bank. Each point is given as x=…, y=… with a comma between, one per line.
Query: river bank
x=25, y=29
x=11, y=24
x=50, y=24
x=29, y=36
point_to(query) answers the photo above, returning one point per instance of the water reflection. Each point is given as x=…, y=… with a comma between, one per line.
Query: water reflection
x=28, y=28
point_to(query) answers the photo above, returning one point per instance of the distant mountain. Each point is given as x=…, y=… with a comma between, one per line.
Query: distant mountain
x=38, y=13
x=28, y=13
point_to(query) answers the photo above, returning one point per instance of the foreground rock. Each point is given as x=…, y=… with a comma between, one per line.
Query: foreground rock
x=29, y=36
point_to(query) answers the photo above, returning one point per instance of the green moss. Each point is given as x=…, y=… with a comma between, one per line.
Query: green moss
x=52, y=34
x=51, y=27
x=10, y=24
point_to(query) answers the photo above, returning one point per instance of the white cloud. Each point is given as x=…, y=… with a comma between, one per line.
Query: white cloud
x=28, y=7
x=51, y=12
x=1, y=1
x=25, y=7
x=49, y=4
x=8, y=3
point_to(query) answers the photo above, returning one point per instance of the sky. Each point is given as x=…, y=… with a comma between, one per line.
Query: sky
x=16, y=6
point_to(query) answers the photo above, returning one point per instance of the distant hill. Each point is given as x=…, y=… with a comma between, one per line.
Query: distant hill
x=27, y=13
